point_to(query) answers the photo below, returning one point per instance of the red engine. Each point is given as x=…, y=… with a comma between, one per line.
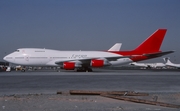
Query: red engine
x=97, y=63
x=69, y=65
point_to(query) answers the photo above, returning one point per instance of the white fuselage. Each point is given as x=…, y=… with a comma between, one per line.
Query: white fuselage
x=169, y=63
x=47, y=57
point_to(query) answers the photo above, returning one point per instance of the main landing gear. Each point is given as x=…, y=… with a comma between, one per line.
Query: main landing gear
x=85, y=69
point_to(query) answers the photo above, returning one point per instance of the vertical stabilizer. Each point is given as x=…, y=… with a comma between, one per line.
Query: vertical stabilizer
x=167, y=61
x=115, y=47
x=153, y=42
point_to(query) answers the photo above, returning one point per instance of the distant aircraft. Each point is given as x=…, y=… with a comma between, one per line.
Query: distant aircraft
x=169, y=63
x=86, y=60
x=149, y=65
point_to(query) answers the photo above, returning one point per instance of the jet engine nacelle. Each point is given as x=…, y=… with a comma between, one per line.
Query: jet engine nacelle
x=99, y=63
x=69, y=65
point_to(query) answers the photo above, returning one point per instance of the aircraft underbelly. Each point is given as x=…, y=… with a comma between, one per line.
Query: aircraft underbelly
x=122, y=61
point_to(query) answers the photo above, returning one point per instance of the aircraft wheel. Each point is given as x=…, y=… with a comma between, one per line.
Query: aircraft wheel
x=89, y=70
x=23, y=70
x=84, y=69
x=80, y=70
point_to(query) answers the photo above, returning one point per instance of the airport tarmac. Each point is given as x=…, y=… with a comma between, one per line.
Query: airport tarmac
x=26, y=88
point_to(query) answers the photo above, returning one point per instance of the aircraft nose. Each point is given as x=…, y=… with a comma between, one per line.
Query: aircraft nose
x=4, y=58
x=8, y=58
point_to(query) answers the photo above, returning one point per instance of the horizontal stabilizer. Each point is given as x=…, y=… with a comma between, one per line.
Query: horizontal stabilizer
x=158, y=54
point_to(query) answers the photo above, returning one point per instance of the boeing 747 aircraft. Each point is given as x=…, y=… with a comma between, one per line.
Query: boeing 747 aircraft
x=86, y=60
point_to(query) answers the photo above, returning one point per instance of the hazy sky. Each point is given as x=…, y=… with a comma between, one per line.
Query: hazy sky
x=87, y=24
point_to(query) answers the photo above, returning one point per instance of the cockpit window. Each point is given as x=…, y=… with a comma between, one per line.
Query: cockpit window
x=17, y=51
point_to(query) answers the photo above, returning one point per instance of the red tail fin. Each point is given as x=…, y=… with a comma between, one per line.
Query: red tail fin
x=152, y=43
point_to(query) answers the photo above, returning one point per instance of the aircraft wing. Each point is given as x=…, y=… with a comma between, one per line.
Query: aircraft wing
x=88, y=60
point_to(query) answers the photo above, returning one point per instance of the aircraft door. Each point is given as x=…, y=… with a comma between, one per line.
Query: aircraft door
x=26, y=58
